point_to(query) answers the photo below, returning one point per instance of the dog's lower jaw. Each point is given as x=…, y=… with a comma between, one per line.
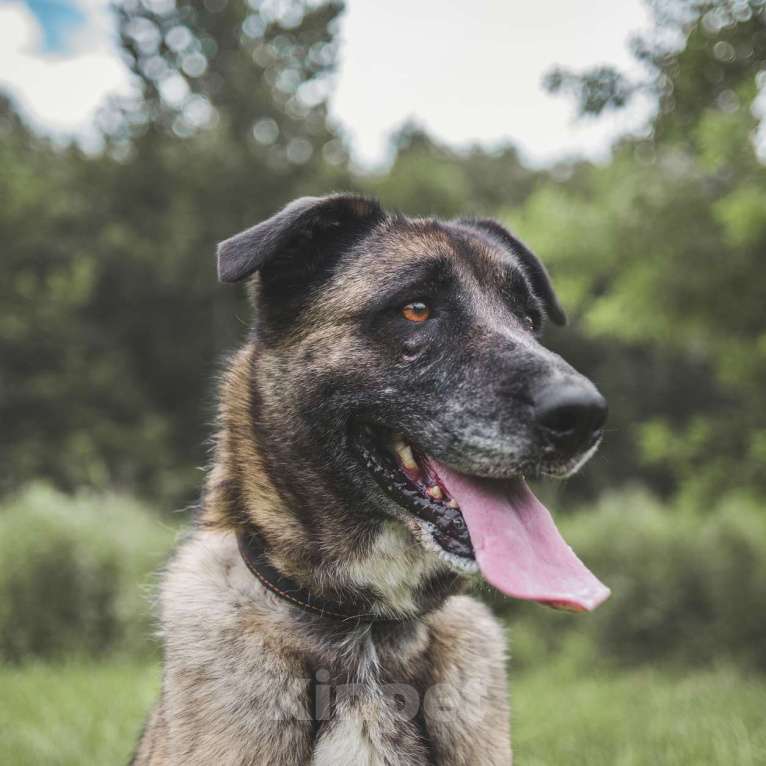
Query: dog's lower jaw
x=424, y=533
x=414, y=494
x=572, y=466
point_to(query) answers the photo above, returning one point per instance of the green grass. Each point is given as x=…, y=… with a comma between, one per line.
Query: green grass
x=73, y=714
x=639, y=718
x=78, y=714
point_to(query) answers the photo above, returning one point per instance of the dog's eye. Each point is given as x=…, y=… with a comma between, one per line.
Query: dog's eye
x=417, y=311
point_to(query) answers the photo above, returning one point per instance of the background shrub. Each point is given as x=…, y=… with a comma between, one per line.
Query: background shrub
x=686, y=586
x=75, y=573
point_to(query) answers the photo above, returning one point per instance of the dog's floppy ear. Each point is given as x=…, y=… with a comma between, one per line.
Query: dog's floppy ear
x=305, y=222
x=533, y=268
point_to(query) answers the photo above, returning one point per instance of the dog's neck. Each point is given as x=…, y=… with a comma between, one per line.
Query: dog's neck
x=349, y=613
x=375, y=563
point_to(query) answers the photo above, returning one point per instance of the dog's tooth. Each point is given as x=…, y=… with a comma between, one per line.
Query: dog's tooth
x=405, y=455
x=452, y=503
x=435, y=492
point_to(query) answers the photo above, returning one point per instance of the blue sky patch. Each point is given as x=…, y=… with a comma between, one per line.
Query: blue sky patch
x=59, y=19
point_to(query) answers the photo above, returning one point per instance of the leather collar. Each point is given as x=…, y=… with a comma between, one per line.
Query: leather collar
x=252, y=550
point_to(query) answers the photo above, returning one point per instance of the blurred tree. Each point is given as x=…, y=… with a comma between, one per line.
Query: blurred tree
x=428, y=178
x=662, y=249
x=111, y=317
x=229, y=122
x=700, y=54
x=260, y=71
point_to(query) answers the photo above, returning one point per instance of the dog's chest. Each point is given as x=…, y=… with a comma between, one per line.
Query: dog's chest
x=371, y=727
x=372, y=716
x=347, y=742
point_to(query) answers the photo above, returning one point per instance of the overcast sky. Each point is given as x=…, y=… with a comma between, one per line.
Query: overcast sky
x=467, y=71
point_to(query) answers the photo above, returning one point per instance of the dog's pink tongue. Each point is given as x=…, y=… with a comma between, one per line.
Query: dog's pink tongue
x=517, y=545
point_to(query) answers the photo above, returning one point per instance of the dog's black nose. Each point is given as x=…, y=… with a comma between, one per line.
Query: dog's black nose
x=571, y=413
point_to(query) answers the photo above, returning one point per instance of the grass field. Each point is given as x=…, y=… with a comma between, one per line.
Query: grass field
x=80, y=714
x=639, y=718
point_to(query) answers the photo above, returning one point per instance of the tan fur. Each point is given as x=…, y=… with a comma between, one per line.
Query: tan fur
x=234, y=686
x=238, y=659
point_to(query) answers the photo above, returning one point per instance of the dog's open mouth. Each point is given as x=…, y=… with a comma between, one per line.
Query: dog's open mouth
x=497, y=523
x=407, y=476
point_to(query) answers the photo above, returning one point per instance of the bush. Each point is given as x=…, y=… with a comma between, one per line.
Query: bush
x=74, y=574
x=690, y=587
x=686, y=586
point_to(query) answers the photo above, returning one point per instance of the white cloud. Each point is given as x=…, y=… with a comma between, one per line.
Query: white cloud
x=60, y=92
x=466, y=71
x=472, y=71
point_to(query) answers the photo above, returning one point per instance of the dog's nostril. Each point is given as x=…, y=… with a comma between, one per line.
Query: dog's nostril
x=571, y=412
x=561, y=419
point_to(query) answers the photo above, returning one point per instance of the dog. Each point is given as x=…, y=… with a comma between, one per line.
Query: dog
x=374, y=434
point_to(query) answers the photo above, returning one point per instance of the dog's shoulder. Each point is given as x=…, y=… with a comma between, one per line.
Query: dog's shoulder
x=209, y=598
x=467, y=651
x=467, y=626
x=234, y=678
x=206, y=583
x=466, y=708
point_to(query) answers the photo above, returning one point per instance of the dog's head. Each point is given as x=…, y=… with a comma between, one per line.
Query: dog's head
x=401, y=375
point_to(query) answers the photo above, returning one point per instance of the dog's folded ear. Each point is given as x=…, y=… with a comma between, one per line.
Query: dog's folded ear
x=536, y=273
x=308, y=223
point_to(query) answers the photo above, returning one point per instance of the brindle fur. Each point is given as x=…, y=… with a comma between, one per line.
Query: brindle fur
x=242, y=667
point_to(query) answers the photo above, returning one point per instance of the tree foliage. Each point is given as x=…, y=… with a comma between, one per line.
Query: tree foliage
x=662, y=249
x=111, y=320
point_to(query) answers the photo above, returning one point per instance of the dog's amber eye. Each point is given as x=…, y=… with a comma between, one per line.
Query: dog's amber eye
x=416, y=311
